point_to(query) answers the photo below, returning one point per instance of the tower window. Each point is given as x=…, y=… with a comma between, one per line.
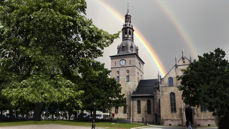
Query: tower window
x=138, y=76
x=148, y=107
x=131, y=48
x=125, y=33
x=127, y=78
x=123, y=48
x=117, y=79
x=170, y=79
x=129, y=32
x=173, y=102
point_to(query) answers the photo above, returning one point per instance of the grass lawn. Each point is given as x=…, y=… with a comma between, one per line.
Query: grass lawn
x=74, y=123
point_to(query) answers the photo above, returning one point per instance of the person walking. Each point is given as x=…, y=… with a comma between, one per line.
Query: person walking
x=189, y=125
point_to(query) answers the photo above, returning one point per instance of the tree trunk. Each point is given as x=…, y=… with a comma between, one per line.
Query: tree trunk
x=16, y=114
x=11, y=114
x=37, y=112
x=69, y=115
x=75, y=116
x=94, y=118
x=52, y=116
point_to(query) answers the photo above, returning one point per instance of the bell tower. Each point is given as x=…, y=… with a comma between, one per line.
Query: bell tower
x=126, y=67
x=127, y=30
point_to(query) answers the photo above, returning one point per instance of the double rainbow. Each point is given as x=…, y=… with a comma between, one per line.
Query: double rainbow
x=187, y=40
x=140, y=38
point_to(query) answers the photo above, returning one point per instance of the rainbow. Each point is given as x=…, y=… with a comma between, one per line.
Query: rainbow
x=139, y=36
x=178, y=26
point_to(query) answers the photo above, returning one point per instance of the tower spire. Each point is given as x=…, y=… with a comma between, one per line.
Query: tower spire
x=127, y=45
x=128, y=6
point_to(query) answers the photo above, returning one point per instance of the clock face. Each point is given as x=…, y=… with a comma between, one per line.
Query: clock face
x=122, y=62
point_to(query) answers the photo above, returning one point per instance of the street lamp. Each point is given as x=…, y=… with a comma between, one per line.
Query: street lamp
x=94, y=116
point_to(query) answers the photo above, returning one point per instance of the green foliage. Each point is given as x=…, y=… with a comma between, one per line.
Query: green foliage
x=42, y=45
x=99, y=88
x=205, y=82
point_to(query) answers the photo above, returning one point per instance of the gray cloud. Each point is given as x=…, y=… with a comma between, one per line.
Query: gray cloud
x=206, y=22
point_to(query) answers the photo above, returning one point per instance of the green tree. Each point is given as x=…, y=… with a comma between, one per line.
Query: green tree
x=99, y=89
x=42, y=43
x=206, y=82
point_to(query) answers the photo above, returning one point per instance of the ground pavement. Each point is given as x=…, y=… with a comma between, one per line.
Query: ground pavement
x=50, y=126
x=169, y=127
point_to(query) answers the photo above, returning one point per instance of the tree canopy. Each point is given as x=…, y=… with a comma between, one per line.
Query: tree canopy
x=99, y=88
x=42, y=45
x=206, y=82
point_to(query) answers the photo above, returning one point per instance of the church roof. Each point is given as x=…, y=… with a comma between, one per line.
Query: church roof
x=145, y=88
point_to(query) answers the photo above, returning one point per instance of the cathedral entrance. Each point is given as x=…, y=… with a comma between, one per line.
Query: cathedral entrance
x=189, y=114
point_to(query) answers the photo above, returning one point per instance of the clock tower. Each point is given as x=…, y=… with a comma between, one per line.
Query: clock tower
x=126, y=67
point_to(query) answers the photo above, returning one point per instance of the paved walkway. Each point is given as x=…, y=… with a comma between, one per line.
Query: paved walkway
x=170, y=127
x=50, y=126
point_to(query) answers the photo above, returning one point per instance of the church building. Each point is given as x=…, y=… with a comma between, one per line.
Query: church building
x=158, y=100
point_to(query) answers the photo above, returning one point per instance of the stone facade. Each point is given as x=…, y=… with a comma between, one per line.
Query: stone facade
x=143, y=115
x=183, y=112
x=135, y=72
x=157, y=101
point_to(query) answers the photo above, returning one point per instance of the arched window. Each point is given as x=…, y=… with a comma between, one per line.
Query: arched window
x=124, y=110
x=139, y=106
x=125, y=31
x=138, y=76
x=116, y=109
x=148, y=107
x=173, y=102
x=170, y=81
x=118, y=79
x=123, y=48
x=127, y=76
x=125, y=35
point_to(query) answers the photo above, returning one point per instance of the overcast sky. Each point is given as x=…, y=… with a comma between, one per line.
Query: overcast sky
x=164, y=24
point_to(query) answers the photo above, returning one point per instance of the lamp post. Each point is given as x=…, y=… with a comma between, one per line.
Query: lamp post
x=94, y=116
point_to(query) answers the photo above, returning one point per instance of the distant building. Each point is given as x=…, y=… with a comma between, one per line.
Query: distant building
x=157, y=100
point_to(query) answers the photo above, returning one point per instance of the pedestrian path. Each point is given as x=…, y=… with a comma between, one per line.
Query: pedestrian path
x=159, y=127
x=170, y=127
